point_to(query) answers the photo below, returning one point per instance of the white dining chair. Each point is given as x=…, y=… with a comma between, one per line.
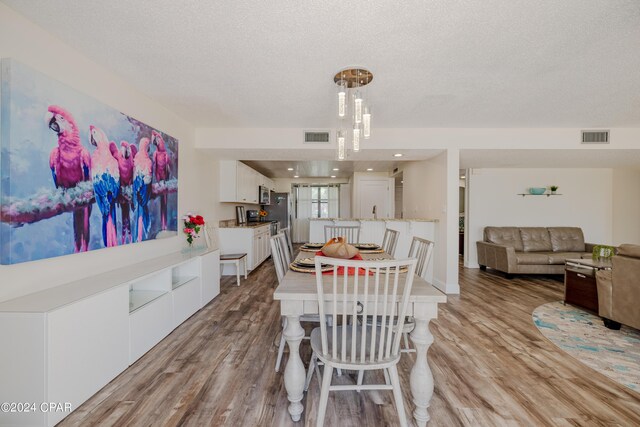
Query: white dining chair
x=421, y=250
x=279, y=255
x=287, y=234
x=358, y=302
x=349, y=232
x=390, y=240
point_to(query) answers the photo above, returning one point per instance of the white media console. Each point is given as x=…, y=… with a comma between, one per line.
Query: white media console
x=63, y=344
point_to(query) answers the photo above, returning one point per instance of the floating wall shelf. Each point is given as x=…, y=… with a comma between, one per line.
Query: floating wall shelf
x=546, y=194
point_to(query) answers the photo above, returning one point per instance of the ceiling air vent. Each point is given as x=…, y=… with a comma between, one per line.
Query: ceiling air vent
x=316, y=137
x=595, y=136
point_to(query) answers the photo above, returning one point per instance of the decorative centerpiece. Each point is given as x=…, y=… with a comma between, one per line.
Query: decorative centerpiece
x=537, y=191
x=339, y=248
x=263, y=214
x=192, y=226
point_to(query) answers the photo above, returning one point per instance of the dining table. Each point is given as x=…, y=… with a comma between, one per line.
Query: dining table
x=298, y=296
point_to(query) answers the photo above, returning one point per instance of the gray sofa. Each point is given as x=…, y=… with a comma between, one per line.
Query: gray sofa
x=531, y=250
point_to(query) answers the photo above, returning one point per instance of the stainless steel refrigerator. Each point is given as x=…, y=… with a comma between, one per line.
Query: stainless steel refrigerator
x=279, y=209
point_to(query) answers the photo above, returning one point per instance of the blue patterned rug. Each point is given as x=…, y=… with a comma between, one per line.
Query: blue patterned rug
x=615, y=354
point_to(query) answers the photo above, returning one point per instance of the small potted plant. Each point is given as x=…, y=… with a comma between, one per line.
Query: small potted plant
x=553, y=189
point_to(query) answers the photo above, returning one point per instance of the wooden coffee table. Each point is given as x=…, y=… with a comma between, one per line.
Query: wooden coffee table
x=580, y=282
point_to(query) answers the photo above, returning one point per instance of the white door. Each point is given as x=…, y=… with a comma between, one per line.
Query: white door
x=378, y=193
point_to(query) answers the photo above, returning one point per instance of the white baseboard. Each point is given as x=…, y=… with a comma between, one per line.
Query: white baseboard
x=472, y=265
x=447, y=288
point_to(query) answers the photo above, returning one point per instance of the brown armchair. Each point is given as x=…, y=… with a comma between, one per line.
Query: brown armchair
x=619, y=289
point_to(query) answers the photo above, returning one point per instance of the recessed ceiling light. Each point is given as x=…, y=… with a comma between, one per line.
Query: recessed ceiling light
x=296, y=176
x=462, y=177
x=369, y=169
x=336, y=169
x=398, y=155
x=289, y=169
x=333, y=176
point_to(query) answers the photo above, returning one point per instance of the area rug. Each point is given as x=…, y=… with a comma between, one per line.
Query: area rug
x=615, y=354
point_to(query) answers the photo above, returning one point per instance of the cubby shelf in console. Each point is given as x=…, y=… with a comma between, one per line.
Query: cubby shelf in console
x=182, y=280
x=138, y=299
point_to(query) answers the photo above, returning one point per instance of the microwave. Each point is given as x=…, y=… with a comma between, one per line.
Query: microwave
x=264, y=198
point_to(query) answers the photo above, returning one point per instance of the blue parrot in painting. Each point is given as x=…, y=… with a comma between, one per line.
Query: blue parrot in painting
x=142, y=175
x=105, y=176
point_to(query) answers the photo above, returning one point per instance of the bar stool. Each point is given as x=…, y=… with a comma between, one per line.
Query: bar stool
x=235, y=259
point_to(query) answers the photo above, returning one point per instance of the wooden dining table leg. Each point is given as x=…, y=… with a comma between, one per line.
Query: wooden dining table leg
x=421, y=378
x=294, y=373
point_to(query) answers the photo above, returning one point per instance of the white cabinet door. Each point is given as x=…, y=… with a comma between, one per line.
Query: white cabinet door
x=87, y=347
x=210, y=265
x=186, y=301
x=228, y=180
x=149, y=325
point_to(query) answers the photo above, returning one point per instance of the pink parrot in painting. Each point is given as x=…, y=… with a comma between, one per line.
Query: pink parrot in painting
x=161, y=162
x=124, y=156
x=105, y=175
x=70, y=164
x=142, y=174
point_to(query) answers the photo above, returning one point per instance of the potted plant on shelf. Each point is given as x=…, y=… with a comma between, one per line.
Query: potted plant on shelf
x=553, y=189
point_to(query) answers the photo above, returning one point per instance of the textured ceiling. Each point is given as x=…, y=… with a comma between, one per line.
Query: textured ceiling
x=438, y=63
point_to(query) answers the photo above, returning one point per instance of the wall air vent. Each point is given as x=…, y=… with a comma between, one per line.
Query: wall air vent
x=595, y=136
x=316, y=136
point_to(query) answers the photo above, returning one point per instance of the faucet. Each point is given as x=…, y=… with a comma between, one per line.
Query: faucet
x=375, y=215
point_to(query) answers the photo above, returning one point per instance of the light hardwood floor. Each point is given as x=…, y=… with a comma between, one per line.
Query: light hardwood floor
x=490, y=364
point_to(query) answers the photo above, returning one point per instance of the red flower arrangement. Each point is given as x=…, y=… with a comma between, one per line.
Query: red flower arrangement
x=192, y=226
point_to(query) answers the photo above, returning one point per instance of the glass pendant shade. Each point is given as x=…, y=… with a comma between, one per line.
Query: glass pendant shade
x=366, y=123
x=356, y=139
x=342, y=99
x=340, y=145
x=357, y=108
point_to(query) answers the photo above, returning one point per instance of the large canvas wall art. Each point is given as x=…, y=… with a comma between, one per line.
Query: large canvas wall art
x=77, y=175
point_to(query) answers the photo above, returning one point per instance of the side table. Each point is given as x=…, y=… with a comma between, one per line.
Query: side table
x=580, y=282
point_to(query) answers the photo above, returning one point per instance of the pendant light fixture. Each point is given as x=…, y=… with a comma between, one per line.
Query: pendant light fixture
x=353, y=104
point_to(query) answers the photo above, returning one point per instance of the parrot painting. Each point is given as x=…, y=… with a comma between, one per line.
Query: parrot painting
x=124, y=156
x=105, y=175
x=70, y=164
x=161, y=163
x=142, y=175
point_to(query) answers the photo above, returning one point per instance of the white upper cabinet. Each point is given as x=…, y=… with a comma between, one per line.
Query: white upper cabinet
x=239, y=183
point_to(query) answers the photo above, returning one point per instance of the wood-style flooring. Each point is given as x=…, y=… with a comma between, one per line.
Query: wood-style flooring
x=490, y=364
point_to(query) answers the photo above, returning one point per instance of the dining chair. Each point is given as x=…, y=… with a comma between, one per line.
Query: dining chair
x=287, y=233
x=356, y=303
x=279, y=255
x=421, y=250
x=350, y=232
x=390, y=240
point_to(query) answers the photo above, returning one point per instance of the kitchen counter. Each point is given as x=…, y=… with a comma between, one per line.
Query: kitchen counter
x=251, y=225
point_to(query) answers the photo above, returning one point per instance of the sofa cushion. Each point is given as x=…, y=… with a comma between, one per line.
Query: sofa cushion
x=506, y=236
x=535, y=239
x=532, y=258
x=629, y=250
x=560, y=257
x=566, y=239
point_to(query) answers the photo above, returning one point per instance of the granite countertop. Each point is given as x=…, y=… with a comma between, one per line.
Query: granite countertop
x=379, y=219
x=248, y=225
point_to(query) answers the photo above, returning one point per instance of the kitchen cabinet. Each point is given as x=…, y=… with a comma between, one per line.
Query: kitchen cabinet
x=252, y=240
x=239, y=183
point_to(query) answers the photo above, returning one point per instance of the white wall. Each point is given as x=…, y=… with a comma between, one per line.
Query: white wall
x=427, y=193
x=27, y=43
x=585, y=201
x=626, y=206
